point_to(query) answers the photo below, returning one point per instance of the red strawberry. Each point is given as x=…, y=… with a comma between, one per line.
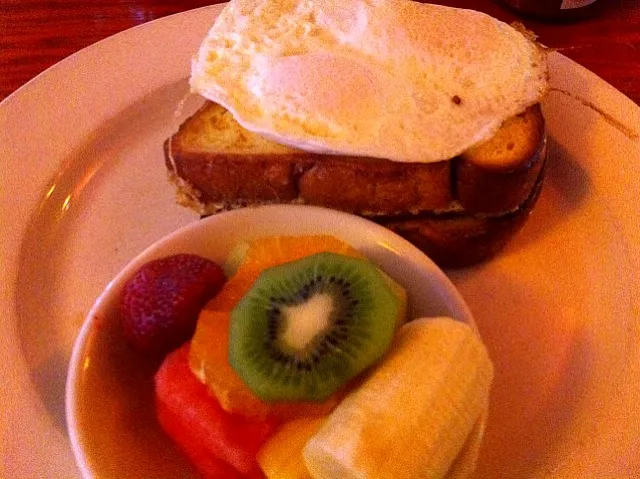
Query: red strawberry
x=161, y=302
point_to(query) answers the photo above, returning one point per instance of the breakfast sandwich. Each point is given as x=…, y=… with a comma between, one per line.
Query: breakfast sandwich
x=423, y=118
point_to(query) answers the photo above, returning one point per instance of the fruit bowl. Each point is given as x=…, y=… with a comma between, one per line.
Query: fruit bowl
x=109, y=396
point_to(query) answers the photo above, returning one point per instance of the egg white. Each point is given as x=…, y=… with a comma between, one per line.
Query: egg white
x=390, y=79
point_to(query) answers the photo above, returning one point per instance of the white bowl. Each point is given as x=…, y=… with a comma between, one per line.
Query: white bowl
x=110, y=407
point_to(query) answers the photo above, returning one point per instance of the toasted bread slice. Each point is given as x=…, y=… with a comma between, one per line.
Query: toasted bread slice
x=458, y=240
x=218, y=165
x=498, y=175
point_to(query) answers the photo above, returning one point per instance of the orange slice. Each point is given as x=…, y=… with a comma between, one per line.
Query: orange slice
x=208, y=361
x=267, y=252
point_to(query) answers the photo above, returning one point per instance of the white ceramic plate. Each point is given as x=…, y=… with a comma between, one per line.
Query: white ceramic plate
x=84, y=190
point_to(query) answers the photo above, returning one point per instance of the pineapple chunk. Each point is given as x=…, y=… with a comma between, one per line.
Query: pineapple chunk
x=281, y=456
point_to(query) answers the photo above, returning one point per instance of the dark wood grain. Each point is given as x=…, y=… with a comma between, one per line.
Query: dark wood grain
x=35, y=34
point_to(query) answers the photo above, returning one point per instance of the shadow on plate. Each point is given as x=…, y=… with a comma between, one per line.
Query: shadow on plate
x=565, y=188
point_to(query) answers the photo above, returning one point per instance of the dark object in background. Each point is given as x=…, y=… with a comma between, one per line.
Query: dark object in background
x=559, y=10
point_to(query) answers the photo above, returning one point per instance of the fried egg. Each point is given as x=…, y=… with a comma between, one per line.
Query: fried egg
x=391, y=79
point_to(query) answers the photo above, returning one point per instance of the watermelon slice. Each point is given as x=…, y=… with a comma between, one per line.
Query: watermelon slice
x=220, y=445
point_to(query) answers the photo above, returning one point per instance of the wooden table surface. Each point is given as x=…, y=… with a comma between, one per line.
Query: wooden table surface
x=35, y=34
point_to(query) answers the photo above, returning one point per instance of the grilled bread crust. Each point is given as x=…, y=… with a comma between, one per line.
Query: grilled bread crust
x=459, y=211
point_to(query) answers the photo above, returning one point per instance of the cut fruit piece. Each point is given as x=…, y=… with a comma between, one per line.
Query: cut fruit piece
x=160, y=303
x=411, y=417
x=209, y=349
x=309, y=326
x=213, y=439
x=235, y=259
x=281, y=456
x=208, y=360
x=264, y=253
x=209, y=466
x=233, y=291
x=466, y=461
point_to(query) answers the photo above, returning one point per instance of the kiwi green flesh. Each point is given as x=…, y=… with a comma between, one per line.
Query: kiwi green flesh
x=366, y=311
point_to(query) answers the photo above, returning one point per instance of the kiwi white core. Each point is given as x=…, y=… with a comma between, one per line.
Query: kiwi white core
x=303, y=322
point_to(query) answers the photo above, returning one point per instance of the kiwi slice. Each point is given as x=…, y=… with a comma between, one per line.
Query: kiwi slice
x=307, y=327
